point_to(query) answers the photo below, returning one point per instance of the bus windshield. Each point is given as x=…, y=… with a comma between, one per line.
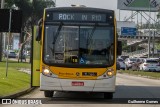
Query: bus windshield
x=82, y=45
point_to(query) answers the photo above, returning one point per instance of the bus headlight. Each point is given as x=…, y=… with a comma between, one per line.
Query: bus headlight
x=46, y=72
x=110, y=72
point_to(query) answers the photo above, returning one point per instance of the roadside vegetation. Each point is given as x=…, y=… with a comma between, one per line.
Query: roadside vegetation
x=152, y=75
x=16, y=81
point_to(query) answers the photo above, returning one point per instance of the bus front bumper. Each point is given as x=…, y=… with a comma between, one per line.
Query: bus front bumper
x=55, y=84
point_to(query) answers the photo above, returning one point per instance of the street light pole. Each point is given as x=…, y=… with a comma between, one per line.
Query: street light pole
x=149, y=37
x=1, y=34
x=153, y=43
x=2, y=4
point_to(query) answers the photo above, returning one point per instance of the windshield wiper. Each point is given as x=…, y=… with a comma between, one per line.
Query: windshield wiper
x=56, y=36
x=91, y=35
x=57, y=33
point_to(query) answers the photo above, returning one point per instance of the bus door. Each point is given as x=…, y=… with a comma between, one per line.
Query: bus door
x=35, y=70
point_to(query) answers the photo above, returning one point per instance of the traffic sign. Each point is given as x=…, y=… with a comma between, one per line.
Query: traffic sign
x=128, y=31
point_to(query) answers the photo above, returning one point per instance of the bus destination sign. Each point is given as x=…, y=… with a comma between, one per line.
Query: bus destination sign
x=78, y=17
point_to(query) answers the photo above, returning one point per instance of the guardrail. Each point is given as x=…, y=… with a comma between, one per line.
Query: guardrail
x=136, y=41
x=138, y=53
x=142, y=37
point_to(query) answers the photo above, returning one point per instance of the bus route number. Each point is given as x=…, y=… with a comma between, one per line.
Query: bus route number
x=91, y=17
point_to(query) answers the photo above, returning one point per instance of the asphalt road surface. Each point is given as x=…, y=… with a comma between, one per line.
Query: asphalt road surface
x=131, y=89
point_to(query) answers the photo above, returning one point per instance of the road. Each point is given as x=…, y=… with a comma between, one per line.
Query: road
x=127, y=86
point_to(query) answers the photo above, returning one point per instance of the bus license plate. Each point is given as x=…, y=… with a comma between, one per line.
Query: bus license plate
x=77, y=83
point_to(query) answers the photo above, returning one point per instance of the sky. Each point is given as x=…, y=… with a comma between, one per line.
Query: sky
x=105, y=4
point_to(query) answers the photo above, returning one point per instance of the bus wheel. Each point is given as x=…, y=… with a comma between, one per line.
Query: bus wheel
x=48, y=93
x=108, y=95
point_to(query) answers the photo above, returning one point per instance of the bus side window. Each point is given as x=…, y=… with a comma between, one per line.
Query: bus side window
x=39, y=30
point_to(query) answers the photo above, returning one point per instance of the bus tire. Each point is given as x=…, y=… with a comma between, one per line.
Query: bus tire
x=48, y=93
x=108, y=95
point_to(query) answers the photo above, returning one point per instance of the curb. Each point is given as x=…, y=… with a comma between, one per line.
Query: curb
x=19, y=93
x=149, y=77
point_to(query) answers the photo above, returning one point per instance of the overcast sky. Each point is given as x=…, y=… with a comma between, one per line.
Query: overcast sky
x=106, y=4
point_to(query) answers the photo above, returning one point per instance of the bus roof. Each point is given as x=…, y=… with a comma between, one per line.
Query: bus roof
x=89, y=9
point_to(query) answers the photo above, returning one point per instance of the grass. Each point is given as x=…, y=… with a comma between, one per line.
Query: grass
x=153, y=75
x=16, y=81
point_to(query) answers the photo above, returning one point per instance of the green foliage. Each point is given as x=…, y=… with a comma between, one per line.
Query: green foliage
x=127, y=48
x=32, y=9
x=147, y=25
x=16, y=81
x=9, y=3
x=38, y=7
x=124, y=46
x=157, y=45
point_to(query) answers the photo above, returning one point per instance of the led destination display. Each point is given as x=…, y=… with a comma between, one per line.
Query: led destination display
x=79, y=17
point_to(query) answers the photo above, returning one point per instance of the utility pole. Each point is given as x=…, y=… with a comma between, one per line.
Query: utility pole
x=153, y=43
x=55, y=3
x=119, y=15
x=149, y=37
x=1, y=34
x=2, y=4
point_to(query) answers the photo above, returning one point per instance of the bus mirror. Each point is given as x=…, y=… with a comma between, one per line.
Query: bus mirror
x=119, y=48
x=39, y=30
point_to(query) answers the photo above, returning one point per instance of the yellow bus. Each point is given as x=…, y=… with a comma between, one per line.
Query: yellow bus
x=77, y=51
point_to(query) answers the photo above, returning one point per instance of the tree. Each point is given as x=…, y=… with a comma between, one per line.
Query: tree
x=157, y=46
x=32, y=12
x=37, y=10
